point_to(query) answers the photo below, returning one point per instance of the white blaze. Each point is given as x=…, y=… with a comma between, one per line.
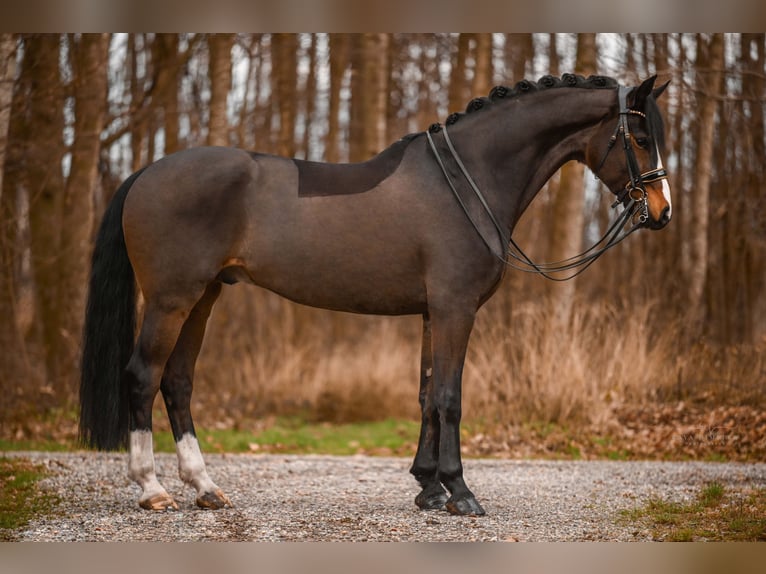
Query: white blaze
x=665, y=186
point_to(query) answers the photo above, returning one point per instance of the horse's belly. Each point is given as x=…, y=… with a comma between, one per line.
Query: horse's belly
x=378, y=290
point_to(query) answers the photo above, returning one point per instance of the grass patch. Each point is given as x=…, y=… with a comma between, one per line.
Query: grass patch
x=45, y=445
x=716, y=514
x=20, y=497
x=292, y=435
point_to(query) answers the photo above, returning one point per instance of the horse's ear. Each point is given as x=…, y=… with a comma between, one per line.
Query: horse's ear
x=657, y=92
x=642, y=92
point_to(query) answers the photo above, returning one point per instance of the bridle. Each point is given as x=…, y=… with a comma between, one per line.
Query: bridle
x=635, y=188
x=632, y=196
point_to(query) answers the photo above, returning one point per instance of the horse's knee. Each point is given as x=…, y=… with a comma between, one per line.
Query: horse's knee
x=450, y=410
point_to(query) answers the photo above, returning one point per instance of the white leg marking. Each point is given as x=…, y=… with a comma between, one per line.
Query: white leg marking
x=191, y=466
x=665, y=187
x=141, y=466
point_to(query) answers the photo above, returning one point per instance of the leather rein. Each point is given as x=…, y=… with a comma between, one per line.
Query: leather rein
x=632, y=196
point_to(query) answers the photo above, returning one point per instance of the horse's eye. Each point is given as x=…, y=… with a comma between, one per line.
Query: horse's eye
x=642, y=142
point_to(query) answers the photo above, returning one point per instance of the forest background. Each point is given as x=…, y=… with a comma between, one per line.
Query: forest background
x=659, y=347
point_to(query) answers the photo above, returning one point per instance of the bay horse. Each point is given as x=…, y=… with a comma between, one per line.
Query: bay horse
x=422, y=228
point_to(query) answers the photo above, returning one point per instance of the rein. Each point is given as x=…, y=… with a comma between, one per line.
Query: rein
x=633, y=196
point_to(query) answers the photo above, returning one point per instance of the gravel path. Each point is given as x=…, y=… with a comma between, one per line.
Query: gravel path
x=359, y=498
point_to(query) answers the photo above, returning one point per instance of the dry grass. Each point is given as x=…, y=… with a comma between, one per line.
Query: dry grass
x=611, y=369
x=266, y=356
x=526, y=365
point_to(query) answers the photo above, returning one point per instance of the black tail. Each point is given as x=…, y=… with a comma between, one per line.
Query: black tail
x=108, y=335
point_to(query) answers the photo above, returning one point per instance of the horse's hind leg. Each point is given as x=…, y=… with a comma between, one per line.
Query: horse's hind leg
x=177, y=390
x=163, y=320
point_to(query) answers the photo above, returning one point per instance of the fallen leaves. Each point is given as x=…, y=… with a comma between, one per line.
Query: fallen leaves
x=649, y=431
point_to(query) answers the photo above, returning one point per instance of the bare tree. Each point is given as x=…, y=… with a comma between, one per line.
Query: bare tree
x=90, y=55
x=569, y=202
x=309, y=95
x=483, y=70
x=166, y=64
x=10, y=340
x=7, y=73
x=340, y=53
x=709, y=84
x=754, y=203
x=458, y=87
x=44, y=183
x=283, y=50
x=137, y=126
x=371, y=97
x=519, y=49
x=219, y=50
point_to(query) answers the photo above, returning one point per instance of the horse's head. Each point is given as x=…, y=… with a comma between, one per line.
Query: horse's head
x=626, y=155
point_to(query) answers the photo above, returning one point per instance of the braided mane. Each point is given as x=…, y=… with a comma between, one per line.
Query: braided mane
x=526, y=86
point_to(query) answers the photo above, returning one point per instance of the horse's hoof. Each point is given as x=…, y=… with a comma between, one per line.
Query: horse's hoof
x=159, y=502
x=431, y=498
x=467, y=506
x=213, y=500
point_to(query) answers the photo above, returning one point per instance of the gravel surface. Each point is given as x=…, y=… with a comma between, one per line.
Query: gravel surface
x=360, y=498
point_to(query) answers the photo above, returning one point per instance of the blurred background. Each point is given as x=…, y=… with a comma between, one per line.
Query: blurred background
x=668, y=322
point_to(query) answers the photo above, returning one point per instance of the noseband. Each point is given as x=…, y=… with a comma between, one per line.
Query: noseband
x=632, y=196
x=635, y=189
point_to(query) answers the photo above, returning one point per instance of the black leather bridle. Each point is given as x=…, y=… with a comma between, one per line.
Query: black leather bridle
x=632, y=196
x=635, y=188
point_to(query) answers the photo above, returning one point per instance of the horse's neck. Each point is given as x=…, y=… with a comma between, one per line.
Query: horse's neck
x=566, y=135
x=530, y=139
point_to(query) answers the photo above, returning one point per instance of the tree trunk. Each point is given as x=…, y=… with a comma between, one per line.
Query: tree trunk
x=710, y=85
x=39, y=135
x=339, y=60
x=357, y=103
x=518, y=51
x=458, y=97
x=7, y=73
x=309, y=97
x=284, y=57
x=754, y=202
x=482, y=75
x=10, y=338
x=166, y=65
x=371, y=96
x=219, y=50
x=137, y=126
x=569, y=202
x=90, y=59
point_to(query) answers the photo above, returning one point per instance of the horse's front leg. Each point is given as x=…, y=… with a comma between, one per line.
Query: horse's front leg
x=451, y=331
x=424, y=468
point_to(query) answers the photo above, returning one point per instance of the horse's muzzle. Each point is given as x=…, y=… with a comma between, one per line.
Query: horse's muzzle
x=657, y=224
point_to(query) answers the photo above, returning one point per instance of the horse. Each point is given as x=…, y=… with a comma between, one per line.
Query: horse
x=423, y=228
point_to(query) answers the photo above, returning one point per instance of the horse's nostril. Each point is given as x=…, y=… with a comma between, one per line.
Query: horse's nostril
x=665, y=216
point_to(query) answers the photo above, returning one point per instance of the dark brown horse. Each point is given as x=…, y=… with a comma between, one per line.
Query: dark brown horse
x=422, y=228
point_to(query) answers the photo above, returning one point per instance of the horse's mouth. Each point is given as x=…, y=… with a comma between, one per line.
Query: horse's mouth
x=657, y=224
